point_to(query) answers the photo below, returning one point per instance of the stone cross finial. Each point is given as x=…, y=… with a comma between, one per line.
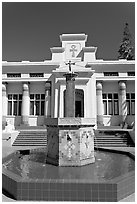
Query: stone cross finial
x=70, y=63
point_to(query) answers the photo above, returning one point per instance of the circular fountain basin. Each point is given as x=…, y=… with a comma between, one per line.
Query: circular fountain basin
x=28, y=177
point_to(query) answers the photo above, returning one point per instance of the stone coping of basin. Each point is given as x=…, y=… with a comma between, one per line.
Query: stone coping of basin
x=70, y=121
x=18, y=178
x=117, y=179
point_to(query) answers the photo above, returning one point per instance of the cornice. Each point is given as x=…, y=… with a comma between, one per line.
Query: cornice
x=57, y=49
x=23, y=63
x=89, y=49
x=49, y=62
x=73, y=37
x=111, y=62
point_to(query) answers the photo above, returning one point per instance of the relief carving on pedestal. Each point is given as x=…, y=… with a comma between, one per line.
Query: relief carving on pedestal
x=69, y=145
x=87, y=144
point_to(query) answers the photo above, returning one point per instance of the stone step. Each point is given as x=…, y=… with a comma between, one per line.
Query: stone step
x=112, y=145
x=118, y=136
x=109, y=138
x=29, y=144
x=24, y=141
x=109, y=143
x=30, y=133
x=35, y=136
x=114, y=140
x=31, y=137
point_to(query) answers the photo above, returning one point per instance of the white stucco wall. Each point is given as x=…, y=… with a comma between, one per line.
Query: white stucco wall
x=14, y=120
x=36, y=120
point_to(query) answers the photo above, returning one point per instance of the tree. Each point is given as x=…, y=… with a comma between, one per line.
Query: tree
x=126, y=50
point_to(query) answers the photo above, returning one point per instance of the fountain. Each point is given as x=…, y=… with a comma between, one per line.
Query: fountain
x=70, y=139
x=66, y=170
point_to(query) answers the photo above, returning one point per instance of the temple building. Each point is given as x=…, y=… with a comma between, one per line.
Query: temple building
x=104, y=90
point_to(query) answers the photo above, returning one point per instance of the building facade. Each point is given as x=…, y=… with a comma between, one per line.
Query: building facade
x=104, y=90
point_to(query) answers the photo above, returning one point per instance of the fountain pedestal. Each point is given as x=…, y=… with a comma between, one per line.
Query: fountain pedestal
x=70, y=141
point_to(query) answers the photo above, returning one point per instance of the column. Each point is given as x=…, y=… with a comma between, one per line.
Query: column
x=99, y=103
x=47, y=100
x=4, y=104
x=86, y=103
x=56, y=108
x=122, y=100
x=61, y=104
x=25, y=104
x=70, y=95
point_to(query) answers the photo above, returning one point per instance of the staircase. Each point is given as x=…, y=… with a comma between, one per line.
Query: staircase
x=37, y=136
x=111, y=138
x=31, y=137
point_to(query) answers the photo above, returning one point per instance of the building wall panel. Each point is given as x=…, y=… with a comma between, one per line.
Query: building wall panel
x=37, y=87
x=14, y=88
x=110, y=87
x=130, y=86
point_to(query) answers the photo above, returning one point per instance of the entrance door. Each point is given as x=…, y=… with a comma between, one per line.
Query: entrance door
x=78, y=112
x=79, y=103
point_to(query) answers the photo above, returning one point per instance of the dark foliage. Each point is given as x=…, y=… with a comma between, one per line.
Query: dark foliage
x=126, y=50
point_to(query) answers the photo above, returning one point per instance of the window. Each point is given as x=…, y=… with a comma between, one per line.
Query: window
x=110, y=73
x=37, y=104
x=11, y=75
x=130, y=100
x=14, y=104
x=36, y=74
x=131, y=73
x=110, y=104
x=116, y=106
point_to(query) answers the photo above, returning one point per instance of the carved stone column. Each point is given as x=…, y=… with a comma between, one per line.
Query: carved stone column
x=122, y=100
x=25, y=104
x=4, y=104
x=70, y=95
x=47, y=100
x=99, y=103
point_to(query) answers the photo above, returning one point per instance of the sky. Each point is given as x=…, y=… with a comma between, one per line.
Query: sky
x=30, y=29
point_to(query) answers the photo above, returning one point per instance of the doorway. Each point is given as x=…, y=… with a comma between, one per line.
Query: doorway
x=79, y=103
x=78, y=112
